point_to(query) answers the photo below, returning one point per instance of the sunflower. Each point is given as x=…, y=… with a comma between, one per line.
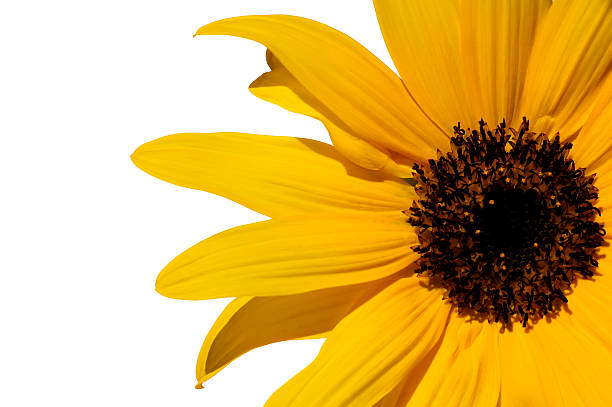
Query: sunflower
x=450, y=243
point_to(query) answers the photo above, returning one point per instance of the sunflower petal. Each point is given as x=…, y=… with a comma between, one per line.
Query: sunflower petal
x=392, y=399
x=525, y=378
x=603, y=181
x=465, y=370
x=250, y=322
x=423, y=38
x=571, y=55
x=496, y=41
x=372, y=350
x=360, y=90
x=591, y=303
x=593, y=147
x=555, y=364
x=289, y=256
x=593, y=150
x=582, y=365
x=275, y=176
x=281, y=88
x=402, y=393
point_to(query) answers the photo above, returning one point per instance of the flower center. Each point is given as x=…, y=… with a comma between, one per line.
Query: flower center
x=506, y=223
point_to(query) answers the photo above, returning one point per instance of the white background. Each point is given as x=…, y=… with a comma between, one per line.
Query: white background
x=84, y=232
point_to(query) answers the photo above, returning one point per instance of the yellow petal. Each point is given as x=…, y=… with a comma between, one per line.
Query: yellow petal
x=392, y=399
x=570, y=58
x=593, y=150
x=465, y=371
x=370, y=351
x=423, y=38
x=603, y=181
x=593, y=147
x=400, y=396
x=250, y=322
x=557, y=363
x=281, y=88
x=496, y=41
x=361, y=91
x=526, y=379
x=275, y=176
x=581, y=365
x=606, y=220
x=289, y=256
x=591, y=303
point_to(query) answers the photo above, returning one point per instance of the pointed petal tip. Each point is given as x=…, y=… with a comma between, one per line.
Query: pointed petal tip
x=202, y=30
x=161, y=291
x=212, y=27
x=136, y=155
x=168, y=284
x=219, y=27
x=206, y=28
x=162, y=285
x=140, y=155
x=140, y=159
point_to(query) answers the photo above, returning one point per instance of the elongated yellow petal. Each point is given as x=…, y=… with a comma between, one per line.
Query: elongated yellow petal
x=603, y=181
x=496, y=41
x=581, y=364
x=370, y=351
x=591, y=303
x=400, y=396
x=525, y=378
x=392, y=399
x=465, y=371
x=570, y=58
x=275, y=176
x=250, y=322
x=593, y=150
x=347, y=79
x=593, y=147
x=289, y=256
x=557, y=363
x=423, y=38
x=280, y=87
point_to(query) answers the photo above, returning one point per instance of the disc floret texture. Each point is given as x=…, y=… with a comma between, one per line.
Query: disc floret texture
x=506, y=222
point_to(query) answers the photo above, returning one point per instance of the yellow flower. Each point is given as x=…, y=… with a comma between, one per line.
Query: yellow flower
x=448, y=262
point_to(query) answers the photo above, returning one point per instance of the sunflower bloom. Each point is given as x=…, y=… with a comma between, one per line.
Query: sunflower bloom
x=450, y=243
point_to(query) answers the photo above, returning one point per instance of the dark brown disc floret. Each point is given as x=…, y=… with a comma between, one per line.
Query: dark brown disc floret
x=506, y=223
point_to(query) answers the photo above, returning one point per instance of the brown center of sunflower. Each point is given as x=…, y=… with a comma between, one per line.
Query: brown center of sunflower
x=506, y=223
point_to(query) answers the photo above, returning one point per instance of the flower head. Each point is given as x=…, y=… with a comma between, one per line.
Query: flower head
x=451, y=243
